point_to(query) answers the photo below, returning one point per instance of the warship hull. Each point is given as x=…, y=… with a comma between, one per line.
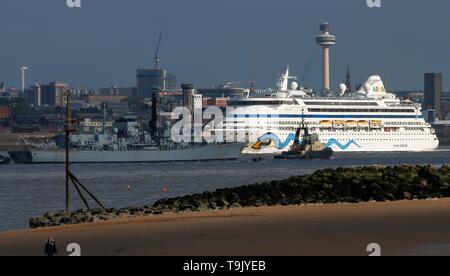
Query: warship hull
x=200, y=153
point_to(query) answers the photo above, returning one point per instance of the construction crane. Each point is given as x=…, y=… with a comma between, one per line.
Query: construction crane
x=308, y=67
x=156, y=60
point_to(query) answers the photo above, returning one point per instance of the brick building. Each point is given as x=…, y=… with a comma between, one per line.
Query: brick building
x=5, y=112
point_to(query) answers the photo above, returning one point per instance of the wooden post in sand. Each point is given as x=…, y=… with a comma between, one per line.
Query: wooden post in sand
x=68, y=129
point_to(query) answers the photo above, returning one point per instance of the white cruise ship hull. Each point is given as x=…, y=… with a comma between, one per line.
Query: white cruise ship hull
x=202, y=153
x=362, y=142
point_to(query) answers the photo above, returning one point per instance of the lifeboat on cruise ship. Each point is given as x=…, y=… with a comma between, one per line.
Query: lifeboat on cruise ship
x=326, y=124
x=375, y=124
x=352, y=124
x=363, y=124
x=339, y=124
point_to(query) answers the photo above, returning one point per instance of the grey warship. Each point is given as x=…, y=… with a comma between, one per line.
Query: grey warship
x=127, y=143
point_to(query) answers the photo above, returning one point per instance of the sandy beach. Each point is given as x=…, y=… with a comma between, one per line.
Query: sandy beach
x=401, y=228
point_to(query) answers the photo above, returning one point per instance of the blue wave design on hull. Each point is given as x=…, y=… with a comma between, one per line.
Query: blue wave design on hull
x=278, y=143
x=291, y=137
x=335, y=142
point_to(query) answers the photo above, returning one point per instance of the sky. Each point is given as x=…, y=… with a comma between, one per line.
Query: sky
x=208, y=42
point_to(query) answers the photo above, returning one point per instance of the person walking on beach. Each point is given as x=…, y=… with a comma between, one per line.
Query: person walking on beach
x=50, y=247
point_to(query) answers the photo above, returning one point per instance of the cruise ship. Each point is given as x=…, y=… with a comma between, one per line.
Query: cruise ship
x=370, y=119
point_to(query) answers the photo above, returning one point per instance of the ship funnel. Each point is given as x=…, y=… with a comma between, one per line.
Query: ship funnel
x=374, y=85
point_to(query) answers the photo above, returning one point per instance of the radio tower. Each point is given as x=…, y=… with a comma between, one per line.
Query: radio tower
x=326, y=40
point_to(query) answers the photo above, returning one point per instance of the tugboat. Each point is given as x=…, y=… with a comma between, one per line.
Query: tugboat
x=5, y=160
x=309, y=148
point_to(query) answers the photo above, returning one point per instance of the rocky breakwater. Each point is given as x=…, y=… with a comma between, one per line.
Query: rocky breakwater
x=342, y=185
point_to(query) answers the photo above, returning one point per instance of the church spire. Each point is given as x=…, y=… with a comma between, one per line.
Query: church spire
x=348, y=81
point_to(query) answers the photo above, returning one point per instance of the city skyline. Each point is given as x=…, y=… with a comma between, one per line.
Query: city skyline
x=104, y=42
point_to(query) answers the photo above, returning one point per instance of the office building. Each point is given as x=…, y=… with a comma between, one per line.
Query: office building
x=432, y=93
x=53, y=94
x=198, y=102
x=149, y=80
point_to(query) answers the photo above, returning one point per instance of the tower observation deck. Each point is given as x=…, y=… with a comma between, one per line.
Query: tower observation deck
x=325, y=39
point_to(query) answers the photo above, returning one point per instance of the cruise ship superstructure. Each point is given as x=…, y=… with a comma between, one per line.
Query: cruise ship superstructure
x=370, y=119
